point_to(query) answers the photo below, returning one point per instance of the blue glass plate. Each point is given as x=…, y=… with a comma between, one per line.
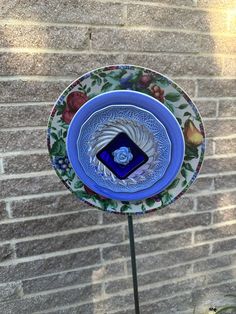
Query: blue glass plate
x=143, y=128
x=142, y=101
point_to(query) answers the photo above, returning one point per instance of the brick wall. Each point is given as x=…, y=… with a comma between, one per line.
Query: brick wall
x=56, y=254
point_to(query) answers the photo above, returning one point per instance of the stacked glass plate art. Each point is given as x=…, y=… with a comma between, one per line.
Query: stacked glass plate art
x=126, y=139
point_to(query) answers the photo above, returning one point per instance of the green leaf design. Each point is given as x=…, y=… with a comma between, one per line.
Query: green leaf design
x=99, y=81
x=188, y=167
x=78, y=185
x=179, y=120
x=231, y=295
x=93, y=76
x=59, y=148
x=198, y=118
x=123, y=72
x=96, y=79
x=64, y=125
x=124, y=208
x=54, y=135
x=172, y=97
x=102, y=74
x=71, y=175
x=136, y=77
x=61, y=108
x=88, y=90
x=113, y=203
x=94, y=198
x=183, y=183
x=80, y=89
x=169, y=106
x=165, y=198
x=190, y=152
x=115, y=74
x=150, y=202
x=163, y=82
x=105, y=203
x=106, y=86
x=184, y=173
x=143, y=208
x=183, y=106
x=82, y=194
x=174, y=184
x=226, y=308
x=187, y=114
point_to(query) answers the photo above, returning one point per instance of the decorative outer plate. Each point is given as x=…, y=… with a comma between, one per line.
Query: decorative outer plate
x=146, y=81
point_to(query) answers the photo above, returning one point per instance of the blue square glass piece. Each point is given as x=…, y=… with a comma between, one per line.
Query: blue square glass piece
x=122, y=171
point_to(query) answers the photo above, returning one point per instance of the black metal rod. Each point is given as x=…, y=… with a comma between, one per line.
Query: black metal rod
x=133, y=261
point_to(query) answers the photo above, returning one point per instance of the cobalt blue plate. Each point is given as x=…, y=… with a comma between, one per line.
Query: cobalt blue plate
x=142, y=101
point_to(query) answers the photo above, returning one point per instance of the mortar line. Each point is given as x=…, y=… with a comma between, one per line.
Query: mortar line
x=123, y=293
x=35, y=196
x=24, y=153
x=1, y=166
x=145, y=239
x=57, y=78
x=77, y=231
x=27, y=175
x=49, y=311
x=142, y=288
x=26, y=104
x=143, y=273
x=24, y=128
x=224, y=118
x=216, y=175
x=103, y=52
x=220, y=156
x=166, y=5
x=76, y=250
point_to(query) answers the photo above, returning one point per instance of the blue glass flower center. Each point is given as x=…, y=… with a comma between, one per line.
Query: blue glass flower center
x=122, y=155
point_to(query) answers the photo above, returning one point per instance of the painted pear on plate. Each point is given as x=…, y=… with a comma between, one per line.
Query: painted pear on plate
x=192, y=135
